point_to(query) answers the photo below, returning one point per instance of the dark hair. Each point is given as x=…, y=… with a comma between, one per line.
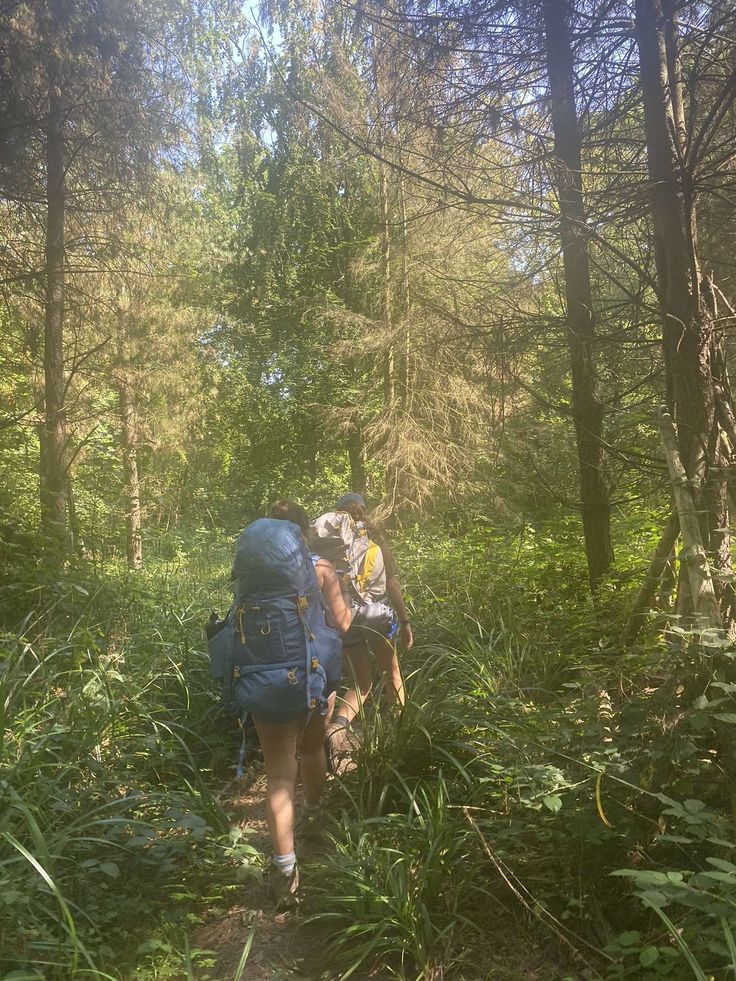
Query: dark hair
x=290, y=511
x=358, y=511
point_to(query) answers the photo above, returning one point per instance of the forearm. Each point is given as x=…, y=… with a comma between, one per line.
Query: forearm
x=330, y=584
x=393, y=590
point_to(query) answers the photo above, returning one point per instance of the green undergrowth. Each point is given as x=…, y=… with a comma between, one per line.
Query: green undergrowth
x=542, y=790
x=110, y=834
x=568, y=817
x=545, y=806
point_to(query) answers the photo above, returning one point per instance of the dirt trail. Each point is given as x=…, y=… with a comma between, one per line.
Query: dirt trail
x=282, y=946
x=274, y=955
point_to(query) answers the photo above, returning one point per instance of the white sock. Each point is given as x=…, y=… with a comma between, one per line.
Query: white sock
x=285, y=863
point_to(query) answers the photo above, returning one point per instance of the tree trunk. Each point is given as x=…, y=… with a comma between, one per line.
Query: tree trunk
x=35, y=352
x=687, y=323
x=404, y=362
x=54, y=446
x=134, y=544
x=693, y=361
x=385, y=312
x=389, y=379
x=355, y=456
x=693, y=554
x=587, y=409
x=75, y=526
x=355, y=430
x=658, y=565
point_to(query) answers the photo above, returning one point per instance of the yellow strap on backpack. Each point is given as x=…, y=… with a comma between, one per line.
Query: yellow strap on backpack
x=365, y=576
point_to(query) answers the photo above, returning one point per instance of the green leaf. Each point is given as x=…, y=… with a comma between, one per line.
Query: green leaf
x=722, y=864
x=645, y=877
x=648, y=956
x=726, y=877
x=695, y=806
x=553, y=802
x=110, y=868
x=654, y=899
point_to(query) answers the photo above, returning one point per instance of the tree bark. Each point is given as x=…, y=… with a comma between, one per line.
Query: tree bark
x=693, y=553
x=54, y=446
x=129, y=448
x=403, y=372
x=687, y=322
x=355, y=456
x=35, y=352
x=587, y=409
x=389, y=379
x=75, y=525
x=385, y=272
x=697, y=383
x=134, y=543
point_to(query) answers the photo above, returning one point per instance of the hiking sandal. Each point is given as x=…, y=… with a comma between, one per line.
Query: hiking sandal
x=284, y=889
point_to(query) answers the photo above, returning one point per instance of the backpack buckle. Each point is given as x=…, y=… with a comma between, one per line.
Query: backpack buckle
x=303, y=603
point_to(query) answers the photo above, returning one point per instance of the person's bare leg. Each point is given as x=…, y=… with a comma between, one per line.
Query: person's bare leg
x=388, y=661
x=312, y=755
x=279, y=744
x=359, y=669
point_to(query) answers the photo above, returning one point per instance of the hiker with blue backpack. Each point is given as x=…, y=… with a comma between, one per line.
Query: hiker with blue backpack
x=280, y=660
x=363, y=558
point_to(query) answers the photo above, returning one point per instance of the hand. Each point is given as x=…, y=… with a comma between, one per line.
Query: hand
x=406, y=635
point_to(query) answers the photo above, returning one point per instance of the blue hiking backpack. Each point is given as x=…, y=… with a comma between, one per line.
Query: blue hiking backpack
x=274, y=653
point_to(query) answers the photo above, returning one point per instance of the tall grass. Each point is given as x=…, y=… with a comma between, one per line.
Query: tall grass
x=480, y=827
x=109, y=723
x=529, y=765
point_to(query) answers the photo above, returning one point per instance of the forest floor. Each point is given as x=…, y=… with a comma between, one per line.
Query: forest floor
x=283, y=946
x=274, y=953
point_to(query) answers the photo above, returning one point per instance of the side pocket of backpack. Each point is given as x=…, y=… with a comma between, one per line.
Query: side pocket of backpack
x=220, y=646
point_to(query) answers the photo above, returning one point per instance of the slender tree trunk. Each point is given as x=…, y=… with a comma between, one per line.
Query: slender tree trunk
x=385, y=272
x=694, y=559
x=691, y=348
x=403, y=372
x=134, y=544
x=658, y=565
x=587, y=409
x=54, y=446
x=389, y=367
x=75, y=526
x=129, y=447
x=35, y=352
x=355, y=456
x=355, y=430
x=687, y=323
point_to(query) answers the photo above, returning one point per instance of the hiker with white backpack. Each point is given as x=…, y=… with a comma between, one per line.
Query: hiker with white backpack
x=369, y=574
x=280, y=661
